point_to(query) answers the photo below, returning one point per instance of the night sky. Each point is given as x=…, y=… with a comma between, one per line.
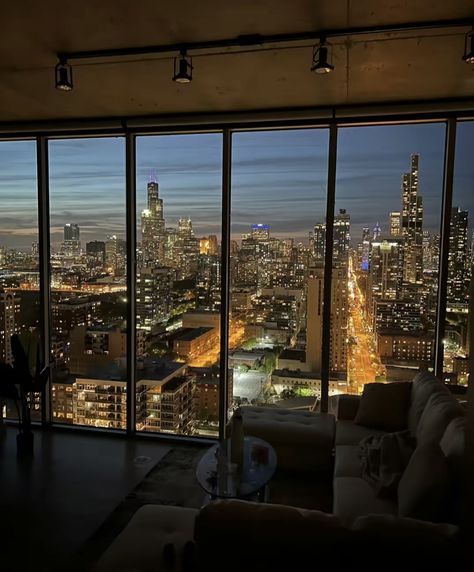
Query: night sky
x=278, y=178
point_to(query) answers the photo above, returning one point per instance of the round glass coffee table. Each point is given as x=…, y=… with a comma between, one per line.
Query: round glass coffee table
x=222, y=479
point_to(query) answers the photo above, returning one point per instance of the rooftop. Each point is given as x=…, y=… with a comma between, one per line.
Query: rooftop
x=193, y=333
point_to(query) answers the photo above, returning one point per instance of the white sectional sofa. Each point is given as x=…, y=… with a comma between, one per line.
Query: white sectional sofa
x=236, y=535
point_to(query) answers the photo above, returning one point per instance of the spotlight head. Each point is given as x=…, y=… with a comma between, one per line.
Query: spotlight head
x=321, y=63
x=183, y=68
x=468, y=56
x=63, y=74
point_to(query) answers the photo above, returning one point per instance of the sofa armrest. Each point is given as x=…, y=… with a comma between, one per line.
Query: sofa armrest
x=347, y=407
x=427, y=544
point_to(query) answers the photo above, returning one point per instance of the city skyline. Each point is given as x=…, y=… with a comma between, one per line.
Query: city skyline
x=284, y=167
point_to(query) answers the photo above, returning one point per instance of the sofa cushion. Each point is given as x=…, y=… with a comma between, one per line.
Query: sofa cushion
x=302, y=440
x=354, y=497
x=424, y=385
x=440, y=410
x=275, y=537
x=140, y=545
x=348, y=433
x=348, y=462
x=384, y=406
x=423, y=488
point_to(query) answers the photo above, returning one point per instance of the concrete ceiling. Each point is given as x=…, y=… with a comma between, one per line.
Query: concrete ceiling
x=370, y=69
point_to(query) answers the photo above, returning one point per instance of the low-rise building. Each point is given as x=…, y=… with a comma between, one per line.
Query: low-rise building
x=207, y=392
x=284, y=379
x=407, y=348
x=193, y=342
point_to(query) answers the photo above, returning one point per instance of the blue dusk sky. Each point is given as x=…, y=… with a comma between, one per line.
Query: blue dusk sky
x=278, y=178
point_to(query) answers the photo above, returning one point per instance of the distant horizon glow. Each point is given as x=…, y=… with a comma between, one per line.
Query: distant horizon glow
x=278, y=179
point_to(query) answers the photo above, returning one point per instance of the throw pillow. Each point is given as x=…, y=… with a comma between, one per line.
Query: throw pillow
x=423, y=488
x=384, y=406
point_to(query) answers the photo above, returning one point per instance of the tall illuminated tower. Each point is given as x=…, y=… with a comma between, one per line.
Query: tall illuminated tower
x=458, y=267
x=153, y=225
x=71, y=244
x=342, y=236
x=412, y=223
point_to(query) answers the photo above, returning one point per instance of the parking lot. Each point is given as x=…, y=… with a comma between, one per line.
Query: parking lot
x=248, y=385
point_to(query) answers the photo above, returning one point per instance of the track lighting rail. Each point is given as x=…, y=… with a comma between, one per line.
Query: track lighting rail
x=261, y=40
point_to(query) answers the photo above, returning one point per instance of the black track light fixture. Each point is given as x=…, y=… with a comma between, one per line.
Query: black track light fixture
x=63, y=74
x=183, y=68
x=322, y=57
x=469, y=48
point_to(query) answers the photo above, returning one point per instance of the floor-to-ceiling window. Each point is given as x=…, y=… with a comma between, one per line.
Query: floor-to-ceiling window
x=88, y=263
x=386, y=251
x=275, y=323
x=460, y=260
x=19, y=259
x=178, y=293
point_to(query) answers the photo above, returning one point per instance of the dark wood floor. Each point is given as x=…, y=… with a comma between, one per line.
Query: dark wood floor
x=53, y=503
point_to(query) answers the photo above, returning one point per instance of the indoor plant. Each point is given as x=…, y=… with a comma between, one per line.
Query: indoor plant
x=19, y=384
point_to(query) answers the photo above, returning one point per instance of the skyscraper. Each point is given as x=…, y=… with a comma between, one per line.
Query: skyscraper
x=339, y=318
x=319, y=240
x=260, y=232
x=71, y=244
x=365, y=249
x=395, y=222
x=154, y=300
x=342, y=236
x=412, y=224
x=153, y=226
x=385, y=271
x=186, y=249
x=116, y=255
x=458, y=267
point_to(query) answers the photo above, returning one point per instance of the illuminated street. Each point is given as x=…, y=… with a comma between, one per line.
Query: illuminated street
x=364, y=364
x=236, y=337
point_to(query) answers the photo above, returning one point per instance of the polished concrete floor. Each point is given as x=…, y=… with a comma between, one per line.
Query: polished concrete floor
x=52, y=503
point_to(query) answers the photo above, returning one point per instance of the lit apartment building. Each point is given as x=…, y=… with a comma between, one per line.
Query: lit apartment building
x=154, y=299
x=63, y=400
x=70, y=312
x=194, y=342
x=407, y=348
x=206, y=393
x=9, y=311
x=100, y=403
x=169, y=405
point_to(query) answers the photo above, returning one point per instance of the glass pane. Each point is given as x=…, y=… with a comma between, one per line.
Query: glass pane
x=388, y=208
x=461, y=250
x=278, y=195
x=19, y=260
x=88, y=281
x=178, y=283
